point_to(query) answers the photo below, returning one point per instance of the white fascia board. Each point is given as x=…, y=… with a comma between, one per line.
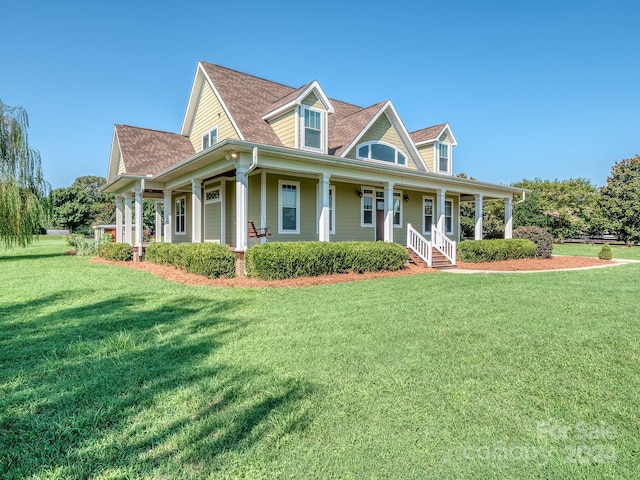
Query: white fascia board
x=399, y=125
x=446, y=127
x=355, y=141
x=115, y=142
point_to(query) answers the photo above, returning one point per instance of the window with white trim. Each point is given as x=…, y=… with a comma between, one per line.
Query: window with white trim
x=181, y=216
x=448, y=217
x=288, y=207
x=366, y=203
x=380, y=151
x=443, y=157
x=397, y=209
x=212, y=195
x=210, y=138
x=312, y=131
x=427, y=215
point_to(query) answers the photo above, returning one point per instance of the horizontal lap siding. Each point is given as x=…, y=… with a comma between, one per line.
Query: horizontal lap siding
x=308, y=227
x=230, y=224
x=427, y=155
x=285, y=128
x=311, y=100
x=347, y=212
x=208, y=114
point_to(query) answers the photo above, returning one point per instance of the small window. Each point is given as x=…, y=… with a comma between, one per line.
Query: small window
x=427, y=215
x=397, y=209
x=210, y=138
x=367, y=207
x=289, y=207
x=312, y=129
x=381, y=152
x=448, y=217
x=181, y=214
x=443, y=165
x=212, y=195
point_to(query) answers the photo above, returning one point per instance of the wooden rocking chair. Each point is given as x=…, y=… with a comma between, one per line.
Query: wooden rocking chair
x=257, y=232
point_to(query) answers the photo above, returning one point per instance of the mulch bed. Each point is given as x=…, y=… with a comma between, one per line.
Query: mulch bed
x=176, y=275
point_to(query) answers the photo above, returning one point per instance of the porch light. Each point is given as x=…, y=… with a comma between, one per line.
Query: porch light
x=359, y=193
x=405, y=197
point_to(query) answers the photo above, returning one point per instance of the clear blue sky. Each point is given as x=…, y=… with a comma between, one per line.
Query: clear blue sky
x=546, y=89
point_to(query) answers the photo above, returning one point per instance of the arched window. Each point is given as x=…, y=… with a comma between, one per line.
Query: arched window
x=380, y=151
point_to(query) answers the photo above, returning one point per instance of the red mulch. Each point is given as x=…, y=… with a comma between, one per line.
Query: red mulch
x=535, y=264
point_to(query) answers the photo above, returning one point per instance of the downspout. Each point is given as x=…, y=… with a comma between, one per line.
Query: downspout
x=524, y=196
x=254, y=161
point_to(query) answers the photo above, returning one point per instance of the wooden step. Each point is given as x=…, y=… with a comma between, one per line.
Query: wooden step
x=438, y=260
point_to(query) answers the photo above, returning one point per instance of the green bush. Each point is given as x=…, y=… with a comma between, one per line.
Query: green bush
x=538, y=235
x=605, y=252
x=208, y=259
x=477, y=251
x=116, y=251
x=279, y=260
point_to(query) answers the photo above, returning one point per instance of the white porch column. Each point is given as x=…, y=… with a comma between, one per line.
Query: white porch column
x=128, y=214
x=478, y=232
x=138, y=215
x=388, y=212
x=242, y=205
x=440, y=201
x=118, y=235
x=196, y=211
x=158, y=222
x=508, y=218
x=167, y=216
x=263, y=203
x=324, y=225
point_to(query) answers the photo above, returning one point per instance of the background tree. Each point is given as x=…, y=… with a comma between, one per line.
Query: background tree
x=72, y=209
x=620, y=199
x=102, y=204
x=23, y=189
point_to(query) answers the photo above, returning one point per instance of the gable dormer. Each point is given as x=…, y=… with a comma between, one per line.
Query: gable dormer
x=435, y=145
x=300, y=119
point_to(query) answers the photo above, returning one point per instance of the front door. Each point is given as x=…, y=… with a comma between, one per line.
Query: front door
x=380, y=219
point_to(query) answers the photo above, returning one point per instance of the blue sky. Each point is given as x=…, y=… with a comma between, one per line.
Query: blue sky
x=547, y=89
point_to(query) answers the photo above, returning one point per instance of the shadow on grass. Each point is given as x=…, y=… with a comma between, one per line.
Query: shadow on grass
x=31, y=256
x=116, y=387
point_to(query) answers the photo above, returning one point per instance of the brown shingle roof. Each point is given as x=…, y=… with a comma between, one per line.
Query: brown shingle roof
x=347, y=123
x=146, y=151
x=428, y=133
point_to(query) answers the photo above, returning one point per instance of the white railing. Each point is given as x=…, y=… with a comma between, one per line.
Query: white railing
x=418, y=244
x=443, y=244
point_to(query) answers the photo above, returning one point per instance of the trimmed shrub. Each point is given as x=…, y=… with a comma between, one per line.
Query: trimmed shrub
x=477, y=251
x=538, y=235
x=116, y=251
x=279, y=260
x=208, y=259
x=605, y=252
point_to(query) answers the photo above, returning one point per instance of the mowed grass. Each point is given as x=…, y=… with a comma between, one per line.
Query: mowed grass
x=109, y=372
x=586, y=250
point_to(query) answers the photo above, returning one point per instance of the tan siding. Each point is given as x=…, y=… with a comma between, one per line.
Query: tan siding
x=444, y=138
x=308, y=227
x=347, y=211
x=311, y=100
x=254, y=207
x=426, y=151
x=285, y=128
x=208, y=114
x=121, y=167
x=230, y=211
x=382, y=130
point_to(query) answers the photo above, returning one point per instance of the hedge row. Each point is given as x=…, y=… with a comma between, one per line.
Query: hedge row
x=278, y=260
x=122, y=252
x=477, y=251
x=209, y=259
x=538, y=235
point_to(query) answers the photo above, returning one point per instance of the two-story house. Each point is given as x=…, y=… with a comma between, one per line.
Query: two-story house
x=295, y=161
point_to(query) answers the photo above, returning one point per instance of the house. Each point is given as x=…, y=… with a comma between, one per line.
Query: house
x=256, y=153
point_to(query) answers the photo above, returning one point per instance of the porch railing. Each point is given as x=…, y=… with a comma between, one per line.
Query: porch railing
x=419, y=245
x=444, y=245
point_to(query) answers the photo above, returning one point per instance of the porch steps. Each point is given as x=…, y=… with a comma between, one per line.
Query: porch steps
x=439, y=261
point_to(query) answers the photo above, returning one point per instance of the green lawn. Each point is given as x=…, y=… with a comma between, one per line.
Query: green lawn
x=109, y=372
x=585, y=250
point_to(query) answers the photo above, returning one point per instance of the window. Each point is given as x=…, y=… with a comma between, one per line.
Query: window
x=367, y=207
x=181, y=214
x=382, y=152
x=288, y=207
x=427, y=215
x=448, y=217
x=312, y=129
x=212, y=195
x=397, y=209
x=210, y=138
x=443, y=150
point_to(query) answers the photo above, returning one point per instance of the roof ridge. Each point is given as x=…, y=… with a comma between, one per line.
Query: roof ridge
x=149, y=129
x=362, y=109
x=430, y=126
x=247, y=74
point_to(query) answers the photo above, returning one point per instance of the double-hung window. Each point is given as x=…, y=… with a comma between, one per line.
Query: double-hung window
x=210, y=138
x=427, y=215
x=367, y=207
x=181, y=216
x=443, y=155
x=448, y=217
x=288, y=207
x=312, y=129
x=397, y=209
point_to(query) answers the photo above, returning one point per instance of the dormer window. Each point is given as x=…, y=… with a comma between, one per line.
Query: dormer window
x=443, y=156
x=210, y=138
x=382, y=152
x=312, y=136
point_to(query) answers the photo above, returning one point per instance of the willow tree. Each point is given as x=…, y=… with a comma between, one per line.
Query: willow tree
x=23, y=189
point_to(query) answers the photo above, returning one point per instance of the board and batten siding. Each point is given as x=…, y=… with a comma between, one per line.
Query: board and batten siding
x=285, y=128
x=209, y=113
x=383, y=130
